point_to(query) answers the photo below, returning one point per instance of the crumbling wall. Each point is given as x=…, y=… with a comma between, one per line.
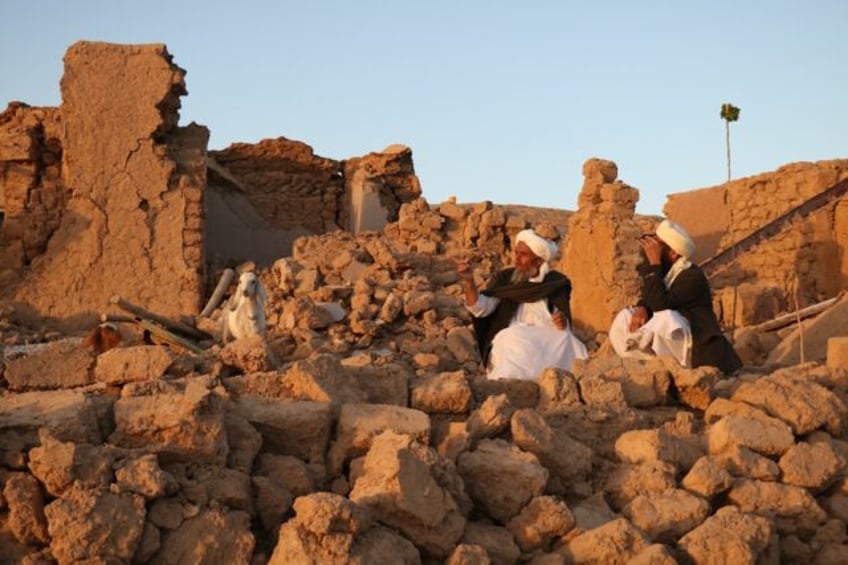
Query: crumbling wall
x=32, y=194
x=134, y=224
x=602, y=249
x=265, y=195
x=808, y=254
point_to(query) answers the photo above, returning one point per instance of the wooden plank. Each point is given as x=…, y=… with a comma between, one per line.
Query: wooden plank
x=170, y=325
x=792, y=317
x=170, y=337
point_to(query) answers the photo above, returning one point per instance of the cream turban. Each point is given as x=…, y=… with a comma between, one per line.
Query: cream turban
x=540, y=246
x=673, y=235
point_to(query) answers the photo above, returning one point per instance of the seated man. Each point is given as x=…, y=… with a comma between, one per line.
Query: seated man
x=675, y=314
x=522, y=320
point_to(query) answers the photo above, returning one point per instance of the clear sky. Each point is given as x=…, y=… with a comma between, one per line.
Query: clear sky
x=499, y=100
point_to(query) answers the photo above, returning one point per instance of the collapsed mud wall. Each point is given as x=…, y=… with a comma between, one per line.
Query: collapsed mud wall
x=33, y=196
x=133, y=221
x=804, y=260
x=263, y=196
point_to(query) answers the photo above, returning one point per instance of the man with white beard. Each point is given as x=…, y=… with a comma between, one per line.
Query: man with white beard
x=522, y=321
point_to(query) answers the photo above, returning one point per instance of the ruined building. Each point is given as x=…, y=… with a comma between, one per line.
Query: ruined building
x=107, y=194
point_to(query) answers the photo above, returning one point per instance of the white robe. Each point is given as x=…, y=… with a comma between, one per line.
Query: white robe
x=666, y=333
x=530, y=344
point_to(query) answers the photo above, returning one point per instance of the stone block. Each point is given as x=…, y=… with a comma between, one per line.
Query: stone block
x=501, y=478
x=136, y=363
x=61, y=364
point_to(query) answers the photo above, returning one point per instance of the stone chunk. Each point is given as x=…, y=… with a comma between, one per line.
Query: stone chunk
x=837, y=352
x=68, y=415
x=558, y=390
x=301, y=429
x=462, y=344
x=184, y=426
x=640, y=446
x=143, y=475
x=137, y=363
x=729, y=536
x=501, y=478
x=742, y=462
x=614, y=542
x=804, y=405
x=225, y=535
x=359, y=423
x=407, y=487
x=564, y=457
x=60, y=465
x=539, y=523
x=766, y=437
x=447, y=393
x=666, y=516
x=706, y=478
x=794, y=507
x=811, y=465
x=26, y=519
x=627, y=481
x=62, y=364
x=90, y=524
x=498, y=542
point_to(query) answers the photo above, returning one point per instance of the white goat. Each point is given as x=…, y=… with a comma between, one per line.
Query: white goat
x=244, y=312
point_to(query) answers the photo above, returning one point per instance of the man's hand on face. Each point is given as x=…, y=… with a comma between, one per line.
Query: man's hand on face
x=639, y=319
x=559, y=319
x=653, y=248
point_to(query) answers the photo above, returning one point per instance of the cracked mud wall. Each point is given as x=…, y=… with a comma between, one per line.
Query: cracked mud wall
x=134, y=223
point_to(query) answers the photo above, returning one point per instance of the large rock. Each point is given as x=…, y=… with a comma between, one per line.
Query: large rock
x=127, y=364
x=501, y=478
x=627, y=481
x=729, y=536
x=666, y=516
x=90, y=524
x=409, y=488
x=25, y=502
x=186, y=426
x=614, y=542
x=794, y=507
x=564, y=457
x=211, y=536
x=60, y=465
x=640, y=446
x=543, y=520
x=766, y=437
x=359, y=424
x=811, y=465
x=301, y=429
x=68, y=415
x=804, y=405
x=63, y=364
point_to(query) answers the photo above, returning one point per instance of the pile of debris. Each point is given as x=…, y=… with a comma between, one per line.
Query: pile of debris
x=362, y=429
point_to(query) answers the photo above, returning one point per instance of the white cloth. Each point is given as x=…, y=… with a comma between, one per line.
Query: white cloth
x=679, y=266
x=666, y=333
x=540, y=246
x=673, y=235
x=531, y=343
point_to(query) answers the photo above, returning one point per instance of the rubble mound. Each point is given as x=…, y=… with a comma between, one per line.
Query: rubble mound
x=361, y=429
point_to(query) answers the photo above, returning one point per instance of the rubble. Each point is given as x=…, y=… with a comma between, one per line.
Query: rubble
x=361, y=428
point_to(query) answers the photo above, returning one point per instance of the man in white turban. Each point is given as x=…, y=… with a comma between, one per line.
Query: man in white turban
x=675, y=314
x=523, y=319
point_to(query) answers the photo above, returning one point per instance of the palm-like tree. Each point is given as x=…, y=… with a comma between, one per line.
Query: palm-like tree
x=730, y=113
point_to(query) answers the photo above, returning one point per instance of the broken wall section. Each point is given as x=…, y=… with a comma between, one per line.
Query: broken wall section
x=263, y=196
x=602, y=249
x=133, y=225
x=32, y=194
x=808, y=254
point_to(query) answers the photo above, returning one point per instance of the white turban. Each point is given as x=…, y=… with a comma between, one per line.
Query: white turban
x=540, y=246
x=673, y=235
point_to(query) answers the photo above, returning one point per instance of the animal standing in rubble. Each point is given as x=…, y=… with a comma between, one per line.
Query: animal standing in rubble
x=244, y=312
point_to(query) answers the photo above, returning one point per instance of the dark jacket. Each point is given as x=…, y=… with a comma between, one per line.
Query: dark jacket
x=690, y=295
x=555, y=287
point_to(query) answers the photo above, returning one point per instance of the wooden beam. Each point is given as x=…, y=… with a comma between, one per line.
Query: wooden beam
x=170, y=325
